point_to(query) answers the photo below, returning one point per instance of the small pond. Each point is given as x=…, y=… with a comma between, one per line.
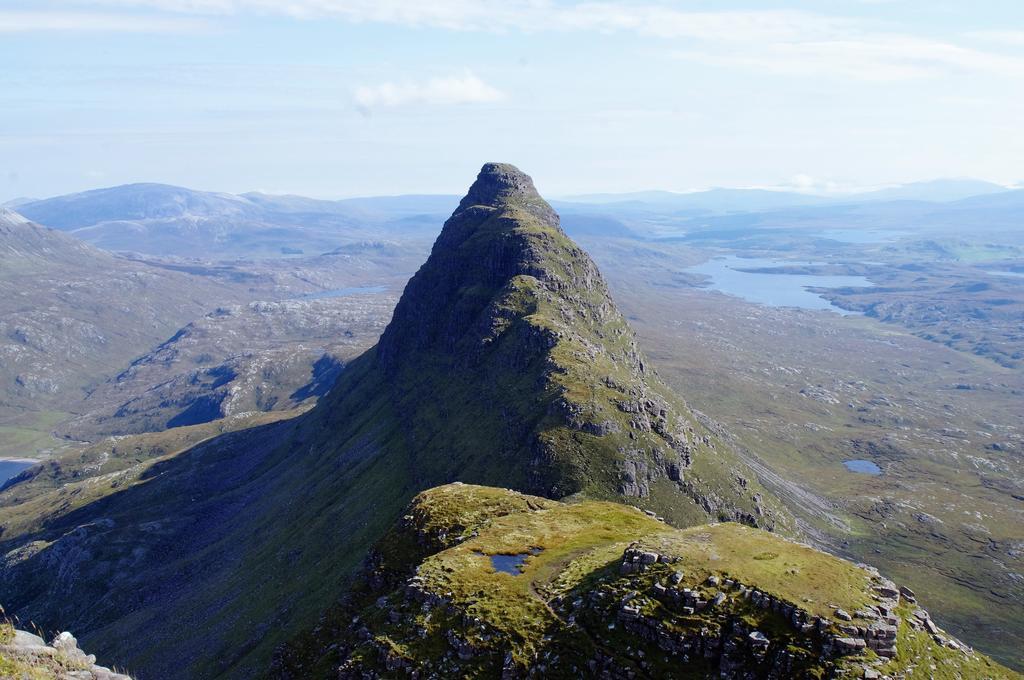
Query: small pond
x=864, y=467
x=512, y=564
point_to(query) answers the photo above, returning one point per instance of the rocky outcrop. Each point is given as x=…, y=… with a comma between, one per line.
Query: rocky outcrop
x=704, y=602
x=874, y=627
x=61, y=659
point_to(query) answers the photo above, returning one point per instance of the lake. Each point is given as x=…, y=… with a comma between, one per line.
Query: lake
x=9, y=468
x=864, y=467
x=774, y=290
x=340, y=292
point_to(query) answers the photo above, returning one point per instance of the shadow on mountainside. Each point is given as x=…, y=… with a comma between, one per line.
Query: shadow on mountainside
x=218, y=553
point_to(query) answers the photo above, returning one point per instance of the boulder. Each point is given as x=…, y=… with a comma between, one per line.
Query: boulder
x=850, y=644
x=65, y=642
x=25, y=639
x=648, y=557
x=887, y=589
x=758, y=639
x=882, y=631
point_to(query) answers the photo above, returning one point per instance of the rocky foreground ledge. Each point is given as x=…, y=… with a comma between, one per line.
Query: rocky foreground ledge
x=25, y=655
x=482, y=582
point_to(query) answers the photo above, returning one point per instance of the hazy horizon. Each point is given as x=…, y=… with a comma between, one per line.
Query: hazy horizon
x=851, y=192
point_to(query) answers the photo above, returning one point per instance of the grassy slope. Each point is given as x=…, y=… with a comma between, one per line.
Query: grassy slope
x=28, y=432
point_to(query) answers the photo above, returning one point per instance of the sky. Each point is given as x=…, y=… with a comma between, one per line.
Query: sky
x=336, y=98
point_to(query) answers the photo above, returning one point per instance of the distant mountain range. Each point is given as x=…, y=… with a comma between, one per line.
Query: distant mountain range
x=712, y=200
x=750, y=200
x=158, y=219
x=203, y=340
x=70, y=313
x=937, y=191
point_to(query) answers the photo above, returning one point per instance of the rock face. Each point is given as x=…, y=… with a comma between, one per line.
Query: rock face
x=506, y=363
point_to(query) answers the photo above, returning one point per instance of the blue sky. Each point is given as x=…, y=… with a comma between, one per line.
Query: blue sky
x=337, y=98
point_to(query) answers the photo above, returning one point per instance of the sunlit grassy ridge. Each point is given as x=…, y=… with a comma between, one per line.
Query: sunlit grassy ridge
x=561, y=610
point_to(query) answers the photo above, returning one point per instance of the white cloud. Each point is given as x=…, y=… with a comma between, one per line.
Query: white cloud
x=770, y=41
x=526, y=15
x=450, y=90
x=21, y=22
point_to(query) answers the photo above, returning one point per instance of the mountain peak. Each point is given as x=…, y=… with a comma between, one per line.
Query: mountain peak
x=512, y=364
x=506, y=363
x=502, y=231
x=503, y=185
x=498, y=183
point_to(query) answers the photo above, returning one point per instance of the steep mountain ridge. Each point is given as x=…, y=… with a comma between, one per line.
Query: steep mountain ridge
x=506, y=363
x=513, y=323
